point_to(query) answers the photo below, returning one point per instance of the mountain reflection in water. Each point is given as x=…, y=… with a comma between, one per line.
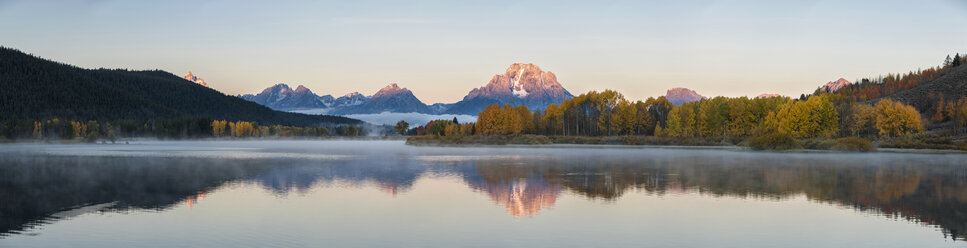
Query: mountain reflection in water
x=929, y=189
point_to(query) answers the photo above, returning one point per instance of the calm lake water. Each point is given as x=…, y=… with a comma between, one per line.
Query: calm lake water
x=384, y=193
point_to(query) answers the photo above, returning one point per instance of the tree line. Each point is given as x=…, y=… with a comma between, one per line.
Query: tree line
x=173, y=128
x=608, y=113
x=223, y=128
x=438, y=128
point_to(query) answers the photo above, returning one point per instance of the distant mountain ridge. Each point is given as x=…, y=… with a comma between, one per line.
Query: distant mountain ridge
x=351, y=99
x=521, y=84
x=281, y=96
x=391, y=98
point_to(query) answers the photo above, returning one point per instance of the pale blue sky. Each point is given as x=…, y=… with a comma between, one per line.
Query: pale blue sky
x=442, y=49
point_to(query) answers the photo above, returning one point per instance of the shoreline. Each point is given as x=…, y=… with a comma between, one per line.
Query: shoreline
x=141, y=139
x=424, y=142
x=551, y=142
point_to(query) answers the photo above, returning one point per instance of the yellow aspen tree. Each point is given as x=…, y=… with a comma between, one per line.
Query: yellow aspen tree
x=38, y=130
x=896, y=119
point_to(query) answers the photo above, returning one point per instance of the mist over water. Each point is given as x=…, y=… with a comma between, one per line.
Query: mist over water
x=342, y=192
x=387, y=118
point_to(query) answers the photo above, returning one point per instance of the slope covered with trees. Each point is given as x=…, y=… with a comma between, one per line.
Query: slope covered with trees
x=923, y=89
x=40, y=89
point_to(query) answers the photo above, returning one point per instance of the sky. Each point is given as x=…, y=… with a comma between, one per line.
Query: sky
x=442, y=49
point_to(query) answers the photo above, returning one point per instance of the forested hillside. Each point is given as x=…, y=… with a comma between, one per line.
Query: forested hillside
x=38, y=89
x=922, y=89
x=951, y=86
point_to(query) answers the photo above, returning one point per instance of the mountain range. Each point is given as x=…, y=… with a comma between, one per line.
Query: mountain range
x=391, y=98
x=521, y=84
x=280, y=96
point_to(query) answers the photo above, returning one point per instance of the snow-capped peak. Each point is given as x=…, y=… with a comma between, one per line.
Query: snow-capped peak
x=516, y=87
x=833, y=86
x=195, y=79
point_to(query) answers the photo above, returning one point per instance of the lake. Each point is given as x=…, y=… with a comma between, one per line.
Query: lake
x=386, y=194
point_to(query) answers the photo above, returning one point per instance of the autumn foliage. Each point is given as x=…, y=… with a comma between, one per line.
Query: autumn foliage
x=896, y=119
x=813, y=118
x=505, y=120
x=883, y=86
x=608, y=113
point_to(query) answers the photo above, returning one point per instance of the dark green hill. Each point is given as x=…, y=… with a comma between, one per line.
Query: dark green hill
x=33, y=88
x=952, y=86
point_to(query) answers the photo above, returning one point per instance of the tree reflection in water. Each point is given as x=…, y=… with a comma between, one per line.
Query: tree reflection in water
x=40, y=189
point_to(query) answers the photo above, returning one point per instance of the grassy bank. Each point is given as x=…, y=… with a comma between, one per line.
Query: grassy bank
x=478, y=140
x=540, y=140
x=940, y=141
x=786, y=142
x=151, y=138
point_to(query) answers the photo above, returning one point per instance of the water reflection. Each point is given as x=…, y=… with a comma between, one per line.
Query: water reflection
x=34, y=188
x=521, y=189
x=192, y=200
x=390, y=176
x=41, y=189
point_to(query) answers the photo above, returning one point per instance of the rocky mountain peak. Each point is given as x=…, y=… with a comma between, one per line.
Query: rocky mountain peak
x=278, y=88
x=391, y=90
x=521, y=84
x=191, y=77
x=833, y=86
x=522, y=80
x=301, y=89
x=517, y=67
x=680, y=95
